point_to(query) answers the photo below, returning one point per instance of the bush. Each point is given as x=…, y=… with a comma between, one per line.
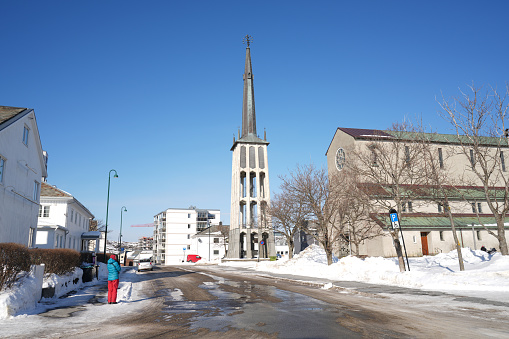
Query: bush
x=58, y=261
x=14, y=263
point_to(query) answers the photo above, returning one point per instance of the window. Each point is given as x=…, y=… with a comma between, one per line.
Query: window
x=189, y=215
x=26, y=130
x=36, y=191
x=442, y=236
x=2, y=167
x=43, y=211
x=188, y=225
x=478, y=235
x=472, y=158
x=414, y=238
x=374, y=157
x=72, y=214
x=189, y=236
x=188, y=247
x=407, y=207
x=407, y=154
x=502, y=161
x=31, y=237
x=440, y=208
x=216, y=240
x=440, y=158
x=216, y=252
x=476, y=209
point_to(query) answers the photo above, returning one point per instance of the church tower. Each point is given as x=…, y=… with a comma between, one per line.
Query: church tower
x=251, y=231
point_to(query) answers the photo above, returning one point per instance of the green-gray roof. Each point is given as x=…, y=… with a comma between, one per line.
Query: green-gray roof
x=436, y=221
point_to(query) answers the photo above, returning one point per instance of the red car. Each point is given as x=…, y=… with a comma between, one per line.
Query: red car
x=193, y=258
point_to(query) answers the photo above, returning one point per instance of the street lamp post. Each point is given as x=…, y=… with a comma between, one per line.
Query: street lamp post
x=123, y=209
x=107, y=208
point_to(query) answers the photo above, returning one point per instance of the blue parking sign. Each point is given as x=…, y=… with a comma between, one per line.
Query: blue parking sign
x=394, y=217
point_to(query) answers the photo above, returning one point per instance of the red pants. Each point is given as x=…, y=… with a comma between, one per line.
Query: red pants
x=112, y=291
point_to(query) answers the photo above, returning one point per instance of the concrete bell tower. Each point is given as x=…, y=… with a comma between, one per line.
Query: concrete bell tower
x=251, y=232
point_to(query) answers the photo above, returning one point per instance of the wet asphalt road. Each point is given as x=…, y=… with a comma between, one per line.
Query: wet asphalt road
x=200, y=301
x=225, y=302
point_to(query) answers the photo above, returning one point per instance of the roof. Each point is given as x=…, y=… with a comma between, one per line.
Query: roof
x=438, y=220
x=213, y=229
x=52, y=191
x=428, y=192
x=7, y=112
x=371, y=134
x=249, y=139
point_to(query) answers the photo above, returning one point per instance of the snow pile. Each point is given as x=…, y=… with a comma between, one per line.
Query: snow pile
x=483, y=272
x=23, y=295
x=64, y=284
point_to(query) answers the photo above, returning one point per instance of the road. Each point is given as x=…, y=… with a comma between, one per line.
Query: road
x=199, y=301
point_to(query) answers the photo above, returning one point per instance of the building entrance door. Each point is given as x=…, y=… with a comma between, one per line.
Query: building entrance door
x=424, y=242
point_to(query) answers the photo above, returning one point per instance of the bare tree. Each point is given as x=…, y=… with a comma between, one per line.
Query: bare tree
x=97, y=225
x=441, y=184
x=390, y=163
x=479, y=118
x=354, y=208
x=311, y=186
x=288, y=213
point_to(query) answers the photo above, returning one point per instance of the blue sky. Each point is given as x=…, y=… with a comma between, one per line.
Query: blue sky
x=153, y=89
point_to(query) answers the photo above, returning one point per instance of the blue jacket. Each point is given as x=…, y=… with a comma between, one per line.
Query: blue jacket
x=113, y=269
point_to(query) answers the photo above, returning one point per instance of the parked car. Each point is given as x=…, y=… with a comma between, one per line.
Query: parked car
x=193, y=257
x=145, y=264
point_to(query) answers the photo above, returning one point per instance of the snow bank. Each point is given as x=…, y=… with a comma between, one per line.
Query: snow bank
x=483, y=272
x=23, y=295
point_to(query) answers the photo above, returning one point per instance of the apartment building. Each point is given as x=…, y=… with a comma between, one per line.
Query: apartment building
x=174, y=229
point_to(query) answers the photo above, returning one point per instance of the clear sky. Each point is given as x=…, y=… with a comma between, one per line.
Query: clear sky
x=153, y=89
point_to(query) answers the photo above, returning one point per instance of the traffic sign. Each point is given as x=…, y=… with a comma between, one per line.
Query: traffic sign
x=262, y=242
x=394, y=219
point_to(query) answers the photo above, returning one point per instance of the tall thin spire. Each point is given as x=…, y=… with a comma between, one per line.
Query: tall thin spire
x=248, y=101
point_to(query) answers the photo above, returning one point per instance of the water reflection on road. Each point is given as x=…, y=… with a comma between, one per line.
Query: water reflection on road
x=244, y=305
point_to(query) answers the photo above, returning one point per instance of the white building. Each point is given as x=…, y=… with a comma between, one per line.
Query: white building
x=211, y=244
x=63, y=221
x=22, y=169
x=173, y=231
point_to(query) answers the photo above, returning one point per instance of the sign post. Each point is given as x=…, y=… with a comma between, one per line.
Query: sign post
x=395, y=226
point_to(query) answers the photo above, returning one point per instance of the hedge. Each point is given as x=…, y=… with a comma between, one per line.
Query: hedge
x=14, y=263
x=59, y=261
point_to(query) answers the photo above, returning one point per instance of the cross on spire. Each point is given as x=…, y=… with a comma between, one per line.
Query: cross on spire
x=248, y=39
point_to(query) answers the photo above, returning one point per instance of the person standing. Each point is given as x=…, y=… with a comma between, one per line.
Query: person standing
x=113, y=271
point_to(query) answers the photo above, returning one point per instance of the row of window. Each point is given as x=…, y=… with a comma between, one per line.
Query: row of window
x=252, y=158
x=408, y=207
x=76, y=217
x=440, y=157
x=442, y=237
x=73, y=242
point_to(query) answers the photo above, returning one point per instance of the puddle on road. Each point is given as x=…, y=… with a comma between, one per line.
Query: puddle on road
x=290, y=314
